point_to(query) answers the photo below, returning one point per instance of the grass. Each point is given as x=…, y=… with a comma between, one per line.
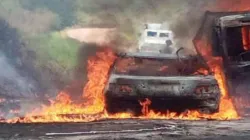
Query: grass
x=55, y=52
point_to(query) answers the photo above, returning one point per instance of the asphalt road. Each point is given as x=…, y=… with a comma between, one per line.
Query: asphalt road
x=128, y=130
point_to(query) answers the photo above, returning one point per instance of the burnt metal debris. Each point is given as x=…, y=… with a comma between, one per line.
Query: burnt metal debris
x=169, y=83
x=222, y=33
x=169, y=78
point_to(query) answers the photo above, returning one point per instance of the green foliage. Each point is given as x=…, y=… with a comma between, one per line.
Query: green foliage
x=55, y=52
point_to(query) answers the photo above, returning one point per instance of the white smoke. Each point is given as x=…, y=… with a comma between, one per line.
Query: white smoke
x=12, y=83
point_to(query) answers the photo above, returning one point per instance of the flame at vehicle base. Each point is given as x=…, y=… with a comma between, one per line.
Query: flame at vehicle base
x=93, y=106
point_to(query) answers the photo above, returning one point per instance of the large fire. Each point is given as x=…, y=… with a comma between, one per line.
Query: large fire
x=233, y=5
x=245, y=38
x=63, y=109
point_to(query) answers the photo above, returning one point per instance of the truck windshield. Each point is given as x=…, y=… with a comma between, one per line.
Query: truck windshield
x=151, y=34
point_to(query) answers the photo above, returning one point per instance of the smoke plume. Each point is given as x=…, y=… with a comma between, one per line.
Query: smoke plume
x=12, y=83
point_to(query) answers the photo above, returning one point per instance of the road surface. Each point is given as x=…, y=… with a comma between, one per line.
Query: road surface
x=133, y=129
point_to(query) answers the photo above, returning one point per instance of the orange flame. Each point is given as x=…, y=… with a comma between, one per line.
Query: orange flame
x=233, y=5
x=63, y=109
x=145, y=104
x=245, y=38
x=98, y=68
x=227, y=110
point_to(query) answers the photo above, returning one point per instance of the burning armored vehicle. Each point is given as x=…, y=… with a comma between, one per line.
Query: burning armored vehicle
x=157, y=72
x=159, y=77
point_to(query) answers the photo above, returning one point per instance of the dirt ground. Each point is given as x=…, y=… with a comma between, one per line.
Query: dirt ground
x=129, y=130
x=98, y=36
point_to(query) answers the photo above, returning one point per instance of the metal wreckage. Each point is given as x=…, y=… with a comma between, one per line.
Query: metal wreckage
x=160, y=75
x=158, y=71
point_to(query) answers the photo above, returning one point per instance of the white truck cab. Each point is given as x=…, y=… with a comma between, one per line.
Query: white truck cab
x=154, y=39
